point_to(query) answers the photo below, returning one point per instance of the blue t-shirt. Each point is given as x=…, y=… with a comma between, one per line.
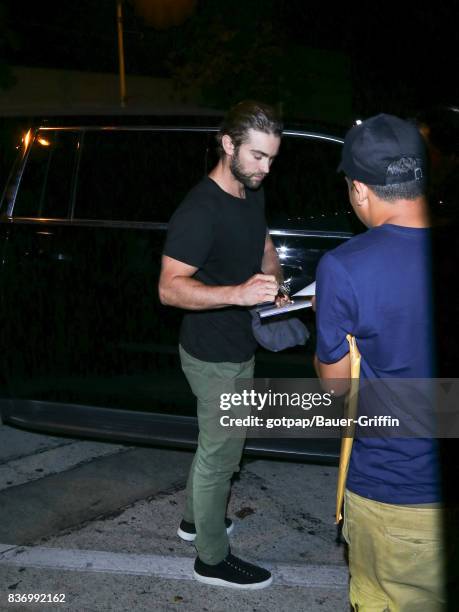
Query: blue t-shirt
x=377, y=287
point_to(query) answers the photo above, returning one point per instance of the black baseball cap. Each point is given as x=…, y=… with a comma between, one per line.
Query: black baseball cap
x=372, y=145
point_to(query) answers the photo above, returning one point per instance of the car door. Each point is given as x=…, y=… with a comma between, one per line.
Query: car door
x=34, y=269
x=129, y=183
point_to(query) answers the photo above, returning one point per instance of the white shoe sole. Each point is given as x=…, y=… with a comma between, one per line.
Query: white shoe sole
x=190, y=537
x=232, y=585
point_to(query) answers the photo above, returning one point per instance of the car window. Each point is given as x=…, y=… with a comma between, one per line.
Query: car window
x=46, y=184
x=303, y=184
x=133, y=175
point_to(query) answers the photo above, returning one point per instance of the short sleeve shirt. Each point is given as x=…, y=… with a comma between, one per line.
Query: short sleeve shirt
x=377, y=287
x=224, y=237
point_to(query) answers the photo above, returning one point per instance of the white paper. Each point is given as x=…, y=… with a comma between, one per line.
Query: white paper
x=308, y=290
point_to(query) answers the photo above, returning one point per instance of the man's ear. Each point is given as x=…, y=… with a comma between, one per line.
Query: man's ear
x=227, y=145
x=361, y=192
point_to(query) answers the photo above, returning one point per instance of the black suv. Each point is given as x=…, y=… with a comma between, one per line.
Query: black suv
x=87, y=348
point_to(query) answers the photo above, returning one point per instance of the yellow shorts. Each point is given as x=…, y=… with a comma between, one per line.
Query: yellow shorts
x=396, y=556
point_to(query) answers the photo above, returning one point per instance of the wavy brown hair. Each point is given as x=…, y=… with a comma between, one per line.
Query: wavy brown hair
x=247, y=115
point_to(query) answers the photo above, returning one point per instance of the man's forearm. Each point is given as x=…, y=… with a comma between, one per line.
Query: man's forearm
x=334, y=376
x=271, y=265
x=191, y=294
x=316, y=364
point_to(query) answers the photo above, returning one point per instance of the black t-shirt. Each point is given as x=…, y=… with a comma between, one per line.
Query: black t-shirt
x=224, y=237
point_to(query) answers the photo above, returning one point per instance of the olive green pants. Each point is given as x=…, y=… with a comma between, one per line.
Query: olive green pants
x=396, y=556
x=218, y=454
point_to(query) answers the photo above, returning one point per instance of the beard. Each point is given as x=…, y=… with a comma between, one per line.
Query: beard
x=249, y=180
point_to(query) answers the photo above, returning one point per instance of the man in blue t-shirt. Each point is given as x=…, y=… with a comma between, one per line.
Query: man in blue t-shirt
x=377, y=287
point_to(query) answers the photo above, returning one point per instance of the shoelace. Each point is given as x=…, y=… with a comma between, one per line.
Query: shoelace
x=238, y=568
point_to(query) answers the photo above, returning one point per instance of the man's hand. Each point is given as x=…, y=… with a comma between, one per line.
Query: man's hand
x=257, y=289
x=282, y=298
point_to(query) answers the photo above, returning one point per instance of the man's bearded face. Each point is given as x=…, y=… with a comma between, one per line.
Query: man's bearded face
x=251, y=178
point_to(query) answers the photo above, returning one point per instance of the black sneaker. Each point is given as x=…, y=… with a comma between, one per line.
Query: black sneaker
x=232, y=572
x=187, y=531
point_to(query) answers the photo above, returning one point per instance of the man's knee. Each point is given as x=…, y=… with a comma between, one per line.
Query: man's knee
x=217, y=464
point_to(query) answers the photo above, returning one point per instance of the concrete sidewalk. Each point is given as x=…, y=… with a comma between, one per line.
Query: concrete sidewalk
x=125, y=556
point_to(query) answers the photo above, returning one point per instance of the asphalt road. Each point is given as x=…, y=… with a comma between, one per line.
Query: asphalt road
x=93, y=525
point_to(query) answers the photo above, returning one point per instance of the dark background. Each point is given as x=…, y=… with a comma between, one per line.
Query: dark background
x=396, y=56
x=313, y=60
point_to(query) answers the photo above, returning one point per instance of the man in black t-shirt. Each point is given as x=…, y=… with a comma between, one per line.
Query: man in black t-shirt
x=218, y=261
